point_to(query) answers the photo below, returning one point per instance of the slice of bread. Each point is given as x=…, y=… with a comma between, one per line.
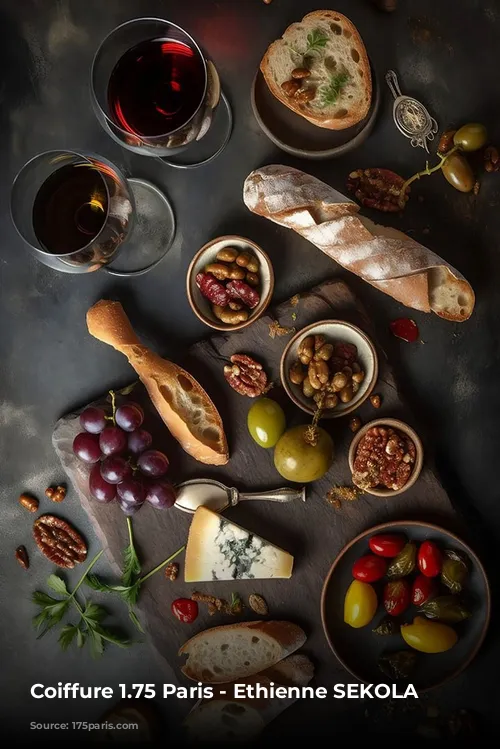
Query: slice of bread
x=235, y=651
x=328, y=45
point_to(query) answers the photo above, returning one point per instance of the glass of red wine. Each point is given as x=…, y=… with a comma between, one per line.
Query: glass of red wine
x=78, y=213
x=155, y=93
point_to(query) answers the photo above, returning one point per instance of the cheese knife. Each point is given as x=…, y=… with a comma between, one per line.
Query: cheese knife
x=218, y=497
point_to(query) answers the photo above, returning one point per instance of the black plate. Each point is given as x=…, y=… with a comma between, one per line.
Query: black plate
x=359, y=649
x=301, y=138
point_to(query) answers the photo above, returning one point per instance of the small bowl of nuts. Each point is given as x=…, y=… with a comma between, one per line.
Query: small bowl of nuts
x=230, y=283
x=385, y=457
x=330, y=365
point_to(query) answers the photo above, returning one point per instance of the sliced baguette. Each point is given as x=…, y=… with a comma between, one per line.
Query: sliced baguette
x=236, y=651
x=226, y=717
x=180, y=400
x=344, y=54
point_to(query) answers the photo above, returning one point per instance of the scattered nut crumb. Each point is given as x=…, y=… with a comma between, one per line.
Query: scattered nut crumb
x=295, y=300
x=275, y=329
x=339, y=494
x=29, y=503
x=22, y=557
x=171, y=571
x=355, y=424
x=258, y=604
x=219, y=604
x=376, y=401
x=57, y=494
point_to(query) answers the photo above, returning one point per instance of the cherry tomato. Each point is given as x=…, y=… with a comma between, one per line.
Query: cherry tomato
x=430, y=559
x=360, y=604
x=422, y=589
x=427, y=636
x=387, y=544
x=185, y=610
x=397, y=595
x=369, y=568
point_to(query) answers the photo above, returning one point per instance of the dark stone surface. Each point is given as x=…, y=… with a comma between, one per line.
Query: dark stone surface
x=445, y=54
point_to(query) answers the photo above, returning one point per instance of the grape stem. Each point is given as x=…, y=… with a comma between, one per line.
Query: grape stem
x=426, y=171
x=113, y=405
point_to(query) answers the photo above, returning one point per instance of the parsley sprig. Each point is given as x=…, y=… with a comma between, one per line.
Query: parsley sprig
x=316, y=43
x=330, y=92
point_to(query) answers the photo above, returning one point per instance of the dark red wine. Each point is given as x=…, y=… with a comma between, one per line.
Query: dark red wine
x=156, y=87
x=70, y=208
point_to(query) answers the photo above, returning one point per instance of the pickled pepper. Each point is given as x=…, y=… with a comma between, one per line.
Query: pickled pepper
x=447, y=609
x=404, y=563
x=454, y=570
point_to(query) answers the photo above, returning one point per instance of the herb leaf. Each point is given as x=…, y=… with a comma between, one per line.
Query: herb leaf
x=93, y=613
x=131, y=564
x=135, y=620
x=316, y=41
x=68, y=634
x=42, y=599
x=330, y=92
x=106, y=634
x=57, y=584
x=80, y=638
x=96, y=643
x=128, y=389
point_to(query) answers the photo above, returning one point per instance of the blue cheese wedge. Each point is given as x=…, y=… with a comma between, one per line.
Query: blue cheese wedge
x=220, y=550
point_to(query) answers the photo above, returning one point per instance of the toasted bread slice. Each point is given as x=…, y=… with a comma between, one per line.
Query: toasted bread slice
x=328, y=45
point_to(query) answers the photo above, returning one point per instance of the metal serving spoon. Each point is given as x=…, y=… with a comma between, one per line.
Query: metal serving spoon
x=410, y=115
x=218, y=497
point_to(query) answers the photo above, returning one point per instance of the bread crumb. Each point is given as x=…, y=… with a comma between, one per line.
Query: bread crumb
x=339, y=494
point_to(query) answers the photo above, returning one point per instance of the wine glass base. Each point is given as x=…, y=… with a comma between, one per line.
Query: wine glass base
x=213, y=142
x=152, y=235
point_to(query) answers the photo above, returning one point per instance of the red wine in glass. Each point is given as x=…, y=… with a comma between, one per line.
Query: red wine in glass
x=156, y=87
x=70, y=208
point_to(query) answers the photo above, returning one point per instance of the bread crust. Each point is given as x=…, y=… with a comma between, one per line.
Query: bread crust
x=356, y=114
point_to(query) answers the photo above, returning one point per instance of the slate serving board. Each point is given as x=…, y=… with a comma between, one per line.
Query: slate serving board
x=314, y=532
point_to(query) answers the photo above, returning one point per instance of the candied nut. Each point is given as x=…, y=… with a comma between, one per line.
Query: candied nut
x=22, y=557
x=252, y=279
x=306, y=349
x=235, y=306
x=307, y=388
x=299, y=74
x=29, y=503
x=355, y=424
x=228, y=316
x=375, y=401
x=318, y=373
x=258, y=604
x=254, y=265
x=290, y=87
x=246, y=376
x=331, y=401
x=305, y=95
x=219, y=270
x=235, y=273
x=358, y=377
x=491, y=159
x=325, y=352
x=347, y=371
x=171, y=571
x=57, y=494
x=227, y=255
x=297, y=373
x=59, y=541
x=338, y=382
x=243, y=259
x=355, y=386
x=346, y=394
x=319, y=341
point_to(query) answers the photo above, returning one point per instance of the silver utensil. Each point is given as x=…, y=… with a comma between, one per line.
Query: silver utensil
x=218, y=497
x=411, y=117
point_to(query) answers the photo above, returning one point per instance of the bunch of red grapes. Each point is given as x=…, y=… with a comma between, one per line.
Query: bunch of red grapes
x=123, y=466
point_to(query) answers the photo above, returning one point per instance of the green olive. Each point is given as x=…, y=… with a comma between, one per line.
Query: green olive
x=458, y=172
x=297, y=460
x=471, y=137
x=266, y=422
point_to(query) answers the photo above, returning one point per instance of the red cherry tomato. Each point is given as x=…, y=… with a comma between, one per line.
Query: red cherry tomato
x=429, y=559
x=369, y=568
x=387, y=544
x=422, y=589
x=397, y=594
x=185, y=610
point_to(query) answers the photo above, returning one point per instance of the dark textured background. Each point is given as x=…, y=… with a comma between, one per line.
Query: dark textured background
x=446, y=54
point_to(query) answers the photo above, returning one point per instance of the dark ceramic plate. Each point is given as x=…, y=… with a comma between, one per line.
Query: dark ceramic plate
x=301, y=138
x=359, y=649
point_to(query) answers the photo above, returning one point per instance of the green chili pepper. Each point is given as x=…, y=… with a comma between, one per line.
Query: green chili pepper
x=404, y=563
x=388, y=626
x=454, y=570
x=447, y=609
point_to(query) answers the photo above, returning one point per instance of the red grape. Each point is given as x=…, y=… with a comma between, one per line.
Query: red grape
x=127, y=508
x=139, y=440
x=93, y=420
x=153, y=463
x=160, y=494
x=86, y=447
x=112, y=440
x=131, y=491
x=129, y=417
x=99, y=488
x=114, y=469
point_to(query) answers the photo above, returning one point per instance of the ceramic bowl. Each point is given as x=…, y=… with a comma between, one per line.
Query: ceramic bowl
x=402, y=427
x=202, y=307
x=333, y=331
x=358, y=650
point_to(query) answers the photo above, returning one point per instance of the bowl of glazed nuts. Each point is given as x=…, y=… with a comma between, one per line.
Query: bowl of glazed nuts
x=330, y=365
x=230, y=283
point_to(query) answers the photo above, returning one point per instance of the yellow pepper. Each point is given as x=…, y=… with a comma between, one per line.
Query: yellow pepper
x=360, y=604
x=428, y=636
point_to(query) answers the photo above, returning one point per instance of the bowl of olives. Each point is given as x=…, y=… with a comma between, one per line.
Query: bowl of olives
x=330, y=365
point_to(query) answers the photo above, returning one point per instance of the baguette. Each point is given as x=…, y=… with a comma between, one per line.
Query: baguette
x=226, y=717
x=235, y=651
x=180, y=400
x=340, y=75
x=383, y=257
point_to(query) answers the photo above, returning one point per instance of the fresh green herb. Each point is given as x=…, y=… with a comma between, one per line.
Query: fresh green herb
x=88, y=628
x=316, y=41
x=131, y=564
x=294, y=316
x=330, y=92
x=236, y=605
x=127, y=390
